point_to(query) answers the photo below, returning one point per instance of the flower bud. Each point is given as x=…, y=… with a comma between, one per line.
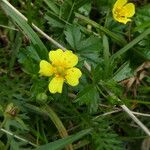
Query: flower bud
x=41, y=98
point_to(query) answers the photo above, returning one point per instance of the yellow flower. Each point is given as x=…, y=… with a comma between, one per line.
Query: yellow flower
x=61, y=68
x=122, y=11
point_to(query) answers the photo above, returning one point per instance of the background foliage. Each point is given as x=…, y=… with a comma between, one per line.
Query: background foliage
x=119, y=58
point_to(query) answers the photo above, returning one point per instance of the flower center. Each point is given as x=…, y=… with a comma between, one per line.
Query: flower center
x=59, y=71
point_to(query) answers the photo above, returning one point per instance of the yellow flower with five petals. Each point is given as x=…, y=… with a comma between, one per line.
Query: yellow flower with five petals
x=61, y=68
x=122, y=11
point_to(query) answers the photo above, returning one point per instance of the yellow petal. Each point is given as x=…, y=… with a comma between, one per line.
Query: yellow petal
x=117, y=7
x=46, y=68
x=65, y=59
x=129, y=9
x=69, y=59
x=123, y=20
x=72, y=76
x=56, y=85
x=120, y=3
x=56, y=56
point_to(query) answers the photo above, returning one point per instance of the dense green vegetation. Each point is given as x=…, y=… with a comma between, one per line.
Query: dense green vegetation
x=101, y=112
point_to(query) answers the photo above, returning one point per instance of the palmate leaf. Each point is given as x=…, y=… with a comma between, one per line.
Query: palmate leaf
x=75, y=39
x=60, y=144
x=89, y=96
x=54, y=21
x=12, y=13
x=73, y=36
x=91, y=44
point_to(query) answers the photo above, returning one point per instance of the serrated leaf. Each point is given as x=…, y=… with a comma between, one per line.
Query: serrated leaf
x=98, y=72
x=89, y=96
x=30, y=65
x=123, y=72
x=54, y=21
x=73, y=36
x=90, y=45
x=51, y=4
x=105, y=138
x=32, y=53
x=142, y=18
x=91, y=57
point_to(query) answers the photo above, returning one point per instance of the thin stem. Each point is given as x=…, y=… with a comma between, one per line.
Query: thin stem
x=145, y=129
x=18, y=137
x=107, y=113
x=141, y=114
x=116, y=110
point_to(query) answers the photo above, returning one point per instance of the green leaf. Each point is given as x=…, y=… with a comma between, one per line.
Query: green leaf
x=91, y=58
x=106, y=55
x=66, y=10
x=142, y=18
x=22, y=23
x=60, y=144
x=32, y=53
x=51, y=4
x=38, y=86
x=85, y=9
x=54, y=21
x=15, y=49
x=131, y=44
x=29, y=62
x=90, y=97
x=90, y=44
x=80, y=3
x=98, y=73
x=73, y=36
x=104, y=137
x=114, y=36
x=123, y=72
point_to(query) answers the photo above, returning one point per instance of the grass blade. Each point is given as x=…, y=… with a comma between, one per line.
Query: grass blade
x=131, y=44
x=60, y=144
